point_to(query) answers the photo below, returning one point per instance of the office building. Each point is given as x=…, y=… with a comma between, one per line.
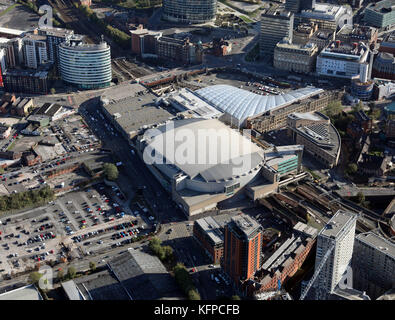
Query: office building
x=242, y=248
x=35, y=50
x=275, y=26
x=26, y=81
x=383, y=88
x=179, y=50
x=384, y=66
x=356, y=33
x=342, y=60
x=335, y=242
x=326, y=16
x=277, y=118
x=209, y=232
x=54, y=37
x=388, y=43
x=151, y=44
x=86, y=66
x=189, y=11
x=309, y=33
x=373, y=264
x=10, y=33
x=380, y=14
x=294, y=57
x=9, y=53
x=143, y=42
x=296, y=6
x=318, y=136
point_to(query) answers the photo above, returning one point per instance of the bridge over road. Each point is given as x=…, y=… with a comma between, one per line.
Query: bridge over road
x=350, y=191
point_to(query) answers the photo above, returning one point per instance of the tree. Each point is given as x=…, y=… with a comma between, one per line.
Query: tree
x=92, y=266
x=333, y=108
x=168, y=252
x=60, y=274
x=352, y=168
x=35, y=277
x=110, y=171
x=193, y=295
x=53, y=91
x=360, y=197
x=71, y=273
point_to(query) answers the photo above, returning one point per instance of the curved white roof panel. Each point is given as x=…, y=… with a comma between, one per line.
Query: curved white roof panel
x=242, y=104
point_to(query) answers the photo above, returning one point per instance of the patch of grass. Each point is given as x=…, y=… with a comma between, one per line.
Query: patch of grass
x=11, y=146
x=9, y=9
x=246, y=19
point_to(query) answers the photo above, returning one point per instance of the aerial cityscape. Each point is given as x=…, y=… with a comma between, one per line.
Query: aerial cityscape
x=197, y=150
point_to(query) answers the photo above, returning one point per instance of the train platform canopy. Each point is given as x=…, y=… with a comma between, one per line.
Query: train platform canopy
x=242, y=104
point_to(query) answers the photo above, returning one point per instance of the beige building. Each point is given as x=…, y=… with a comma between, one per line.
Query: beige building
x=295, y=57
x=310, y=33
x=319, y=137
x=278, y=118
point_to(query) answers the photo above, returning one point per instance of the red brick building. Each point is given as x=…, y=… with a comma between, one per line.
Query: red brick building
x=242, y=248
x=210, y=235
x=284, y=262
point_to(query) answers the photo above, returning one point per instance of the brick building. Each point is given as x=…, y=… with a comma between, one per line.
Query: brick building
x=284, y=262
x=242, y=248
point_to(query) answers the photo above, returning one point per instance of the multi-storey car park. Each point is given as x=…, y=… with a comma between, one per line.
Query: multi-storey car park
x=86, y=66
x=189, y=11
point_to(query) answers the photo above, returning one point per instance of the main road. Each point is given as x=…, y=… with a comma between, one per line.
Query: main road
x=133, y=172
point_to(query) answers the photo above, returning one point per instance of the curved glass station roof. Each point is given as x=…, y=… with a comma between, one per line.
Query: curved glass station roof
x=242, y=104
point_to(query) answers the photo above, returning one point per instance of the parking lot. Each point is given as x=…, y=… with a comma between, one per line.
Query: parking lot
x=86, y=222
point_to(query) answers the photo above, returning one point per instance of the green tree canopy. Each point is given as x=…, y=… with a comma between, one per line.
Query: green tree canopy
x=92, y=266
x=193, y=295
x=110, y=171
x=333, y=108
x=71, y=272
x=352, y=168
x=35, y=277
x=360, y=197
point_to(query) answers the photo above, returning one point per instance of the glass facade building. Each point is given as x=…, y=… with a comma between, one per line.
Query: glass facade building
x=85, y=66
x=189, y=11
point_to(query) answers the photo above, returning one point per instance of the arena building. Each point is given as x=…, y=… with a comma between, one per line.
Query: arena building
x=203, y=162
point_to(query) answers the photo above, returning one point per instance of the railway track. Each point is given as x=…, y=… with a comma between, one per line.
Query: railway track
x=122, y=70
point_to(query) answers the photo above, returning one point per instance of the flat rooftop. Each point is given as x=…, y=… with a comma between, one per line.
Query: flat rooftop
x=137, y=112
x=294, y=244
x=144, y=276
x=280, y=154
x=385, y=6
x=245, y=224
x=212, y=229
x=378, y=243
x=186, y=100
x=9, y=31
x=29, y=292
x=337, y=224
x=122, y=91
